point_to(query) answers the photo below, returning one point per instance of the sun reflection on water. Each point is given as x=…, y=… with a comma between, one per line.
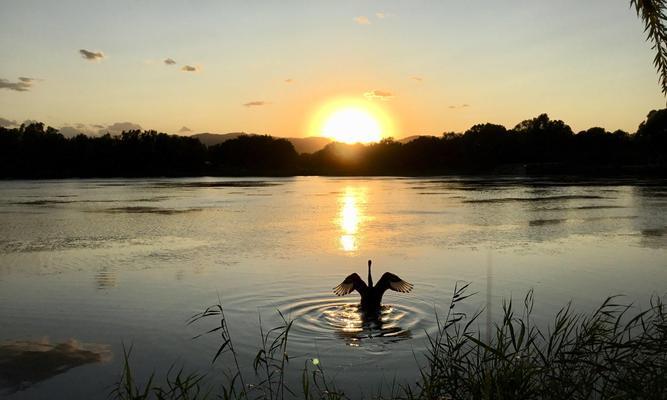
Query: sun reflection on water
x=350, y=218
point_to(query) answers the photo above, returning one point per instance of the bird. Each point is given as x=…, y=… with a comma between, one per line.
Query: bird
x=371, y=296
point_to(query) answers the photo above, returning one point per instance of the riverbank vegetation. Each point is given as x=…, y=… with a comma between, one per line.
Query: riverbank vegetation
x=613, y=352
x=539, y=145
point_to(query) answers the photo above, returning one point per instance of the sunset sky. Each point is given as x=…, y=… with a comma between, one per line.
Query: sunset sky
x=270, y=67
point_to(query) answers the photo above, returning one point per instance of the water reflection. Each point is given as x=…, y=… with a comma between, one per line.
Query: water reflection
x=353, y=326
x=24, y=363
x=106, y=278
x=350, y=217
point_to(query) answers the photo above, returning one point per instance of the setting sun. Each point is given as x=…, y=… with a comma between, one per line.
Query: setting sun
x=352, y=125
x=350, y=120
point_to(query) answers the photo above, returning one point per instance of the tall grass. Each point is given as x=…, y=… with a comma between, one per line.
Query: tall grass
x=613, y=352
x=606, y=354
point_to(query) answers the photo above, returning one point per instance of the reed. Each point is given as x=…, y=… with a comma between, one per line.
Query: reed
x=609, y=353
x=613, y=352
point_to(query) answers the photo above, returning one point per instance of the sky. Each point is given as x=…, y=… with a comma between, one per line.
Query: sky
x=271, y=67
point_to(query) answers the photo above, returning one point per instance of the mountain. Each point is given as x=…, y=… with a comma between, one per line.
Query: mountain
x=301, y=145
x=309, y=144
x=211, y=139
x=411, y=138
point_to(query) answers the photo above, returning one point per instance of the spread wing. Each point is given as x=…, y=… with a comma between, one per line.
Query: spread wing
x=352, y=282
x=393, y=282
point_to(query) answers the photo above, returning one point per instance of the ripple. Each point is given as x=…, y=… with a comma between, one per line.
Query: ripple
x=535, y=199
x=148, y=210
x=324, y=317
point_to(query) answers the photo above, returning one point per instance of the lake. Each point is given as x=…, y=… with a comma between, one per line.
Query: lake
x=87, y=266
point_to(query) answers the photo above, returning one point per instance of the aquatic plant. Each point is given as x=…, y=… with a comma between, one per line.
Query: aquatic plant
x=613, y=352
x=606, y=354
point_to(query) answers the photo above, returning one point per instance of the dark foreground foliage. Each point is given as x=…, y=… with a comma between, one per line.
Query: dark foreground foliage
x=614, y=352
x=539, y=145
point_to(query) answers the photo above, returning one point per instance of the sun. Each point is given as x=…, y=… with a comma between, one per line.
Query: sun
x=352, y=125
x=351, y=121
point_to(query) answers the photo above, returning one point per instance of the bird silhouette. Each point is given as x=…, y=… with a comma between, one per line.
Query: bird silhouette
x=371, y=296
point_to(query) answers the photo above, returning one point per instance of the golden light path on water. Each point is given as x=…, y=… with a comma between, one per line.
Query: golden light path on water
x=351, y=217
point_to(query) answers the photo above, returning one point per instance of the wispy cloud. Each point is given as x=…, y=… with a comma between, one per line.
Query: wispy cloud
x=378, y=95
x=381, y=15
x=190, y=68
x=459, y=106
x=289, y=80
x=362, y=20
x=91, y=55
x=118, y=127
x=70, y=131
x=22, y=85
x=185, y=129
x=417, y=78
x=169, y=61
x=73, y=129
x=256, y=103
x=7, y=123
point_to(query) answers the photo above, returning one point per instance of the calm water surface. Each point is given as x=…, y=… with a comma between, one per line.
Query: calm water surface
x=87, y=265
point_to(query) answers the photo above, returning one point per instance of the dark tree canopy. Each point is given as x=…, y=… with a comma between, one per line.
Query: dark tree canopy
x=537, y=145
x=652, y=136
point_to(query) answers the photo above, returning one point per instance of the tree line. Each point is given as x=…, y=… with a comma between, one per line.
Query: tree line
x=537, y=145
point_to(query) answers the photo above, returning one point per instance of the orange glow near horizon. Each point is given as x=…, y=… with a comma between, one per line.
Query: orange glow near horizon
x=352, y=121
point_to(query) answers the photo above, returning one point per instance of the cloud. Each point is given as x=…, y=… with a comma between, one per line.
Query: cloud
x=70, y=131
x=459, y=107
x=169, y=61
x=22, y=85
x=362, y=20
x=185, y=129
x=289, y=80
x=381, y=15
x=417, y=78
x=6, y=123
x=91, y=55
x=378, y=95
x=256, y=103
x=73, y=129
x=118, y=127
x=189, y=68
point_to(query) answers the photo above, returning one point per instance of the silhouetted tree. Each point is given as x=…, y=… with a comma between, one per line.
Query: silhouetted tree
x=654, y=15
x=597, y=146
x=652, y=136
x=254, y=154
x=488, y=144
x=544, y=140
x=544, y=145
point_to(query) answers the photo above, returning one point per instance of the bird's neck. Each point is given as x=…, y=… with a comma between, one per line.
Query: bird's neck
x=370, y=278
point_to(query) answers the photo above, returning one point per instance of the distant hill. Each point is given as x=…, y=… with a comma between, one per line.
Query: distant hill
x=211, y=139
x=301, y=145
x=411, y=138
x=309, y=144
